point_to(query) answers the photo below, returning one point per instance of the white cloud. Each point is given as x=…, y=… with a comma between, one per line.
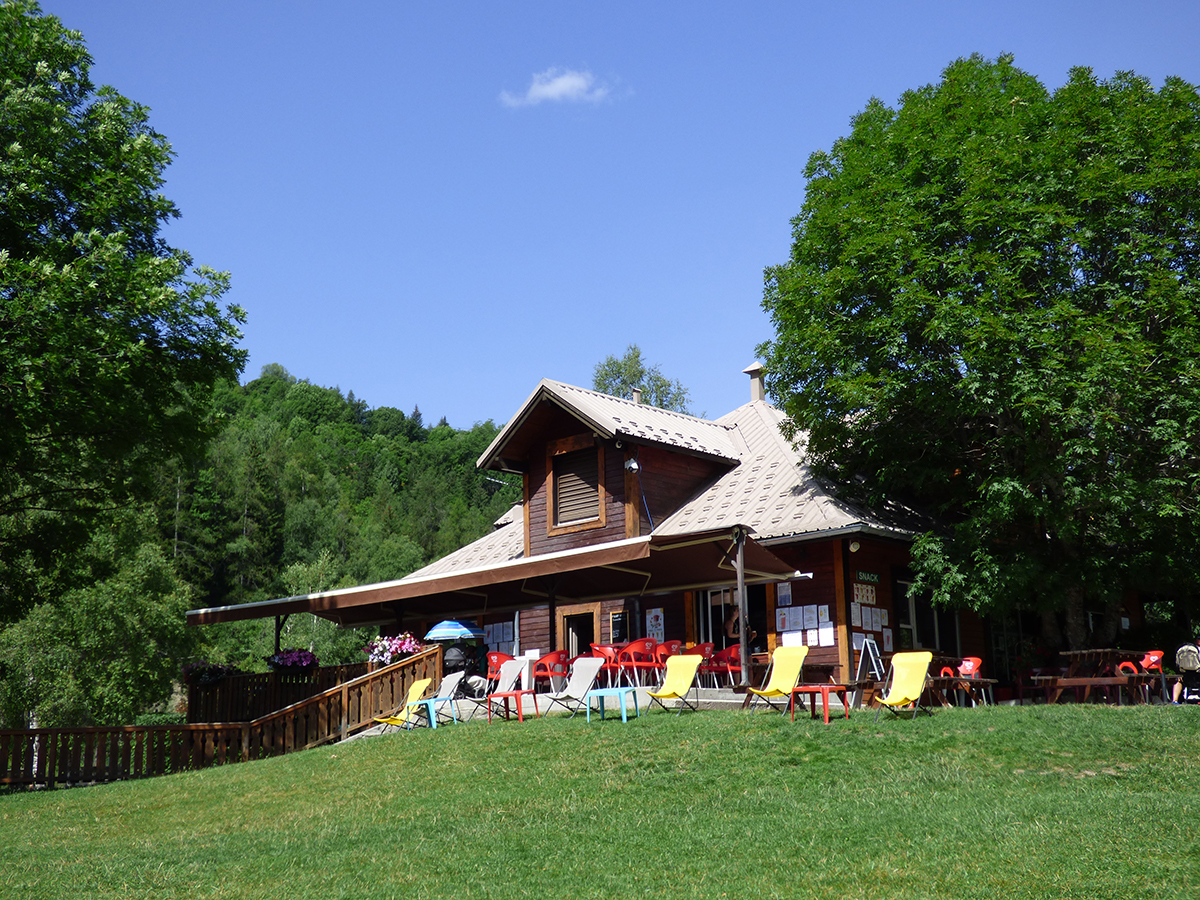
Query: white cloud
x=559, y=86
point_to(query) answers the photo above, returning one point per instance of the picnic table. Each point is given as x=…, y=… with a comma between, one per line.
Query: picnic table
x=1098, y=668
x=975, y=688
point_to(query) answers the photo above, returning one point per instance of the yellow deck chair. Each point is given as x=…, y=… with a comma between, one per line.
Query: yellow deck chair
x=786, y=663
x=905, y=682
x=680, y=678
x=407, y=717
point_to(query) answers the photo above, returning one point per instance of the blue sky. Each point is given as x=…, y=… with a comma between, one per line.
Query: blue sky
x=441, y=204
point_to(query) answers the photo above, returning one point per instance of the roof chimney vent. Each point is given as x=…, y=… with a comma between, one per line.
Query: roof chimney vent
x=757, y=390
x=637, y=395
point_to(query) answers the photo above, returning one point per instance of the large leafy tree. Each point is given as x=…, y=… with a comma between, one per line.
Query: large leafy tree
x=619, y=378
x=990, y=315
x=110, y=340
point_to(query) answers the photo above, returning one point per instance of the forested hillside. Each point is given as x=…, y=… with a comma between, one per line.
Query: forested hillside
x=305, y=489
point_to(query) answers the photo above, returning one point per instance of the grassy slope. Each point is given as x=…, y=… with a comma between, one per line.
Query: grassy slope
x=1088, y=802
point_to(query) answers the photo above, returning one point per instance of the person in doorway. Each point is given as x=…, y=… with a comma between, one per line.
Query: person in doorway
x=733, y=628
x=1187, y=661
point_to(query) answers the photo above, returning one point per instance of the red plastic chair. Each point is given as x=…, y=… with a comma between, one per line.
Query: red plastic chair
x=637, y=658
x=969, y=670
x=1152, y=662
x=552, y=665
x=1127, y=668
x=610, y=670
x=495, y=660
x=676, y=646
x=727, y=662
x=664, y=651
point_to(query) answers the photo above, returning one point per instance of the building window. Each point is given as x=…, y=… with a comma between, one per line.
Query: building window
x=575, y=469
x=576, y=487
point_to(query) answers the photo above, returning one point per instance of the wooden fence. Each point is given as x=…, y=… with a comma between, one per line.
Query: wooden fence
x=58, y=756
x=244, y=698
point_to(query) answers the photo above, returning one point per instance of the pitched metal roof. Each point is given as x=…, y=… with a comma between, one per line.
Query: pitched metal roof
x=504, y=544
x=612, y=417
x=771, y=491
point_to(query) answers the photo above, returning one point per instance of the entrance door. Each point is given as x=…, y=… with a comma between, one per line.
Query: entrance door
x=721, y=604
x=576, y=627
x=580, y=633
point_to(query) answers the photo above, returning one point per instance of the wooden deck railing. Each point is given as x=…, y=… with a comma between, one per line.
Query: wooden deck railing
x=243, y=698
x=55, y=756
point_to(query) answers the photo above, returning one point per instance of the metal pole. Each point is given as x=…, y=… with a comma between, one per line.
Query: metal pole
x=743, y=618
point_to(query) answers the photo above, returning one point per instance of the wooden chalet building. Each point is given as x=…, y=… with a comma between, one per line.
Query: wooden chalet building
x=633, y=522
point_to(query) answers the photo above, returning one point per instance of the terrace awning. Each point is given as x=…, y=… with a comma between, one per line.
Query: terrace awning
x=629, y=568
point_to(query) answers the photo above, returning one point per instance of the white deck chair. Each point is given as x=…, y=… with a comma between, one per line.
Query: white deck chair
x=583, y=676
x=448, y=694
x=506, y=681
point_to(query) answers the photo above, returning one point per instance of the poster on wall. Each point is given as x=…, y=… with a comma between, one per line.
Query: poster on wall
x=825, y=635
x=810, y=616
x=823, y=613
x=887, y=640
x=857, y=638
x=783, y=594
x=810, y=637
x=787, y=619
x=864, y=593
x=856, y=614
x=655, y=624
x=877, y=619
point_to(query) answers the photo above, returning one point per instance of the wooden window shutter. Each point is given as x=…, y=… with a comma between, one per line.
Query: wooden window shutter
x=576, y=487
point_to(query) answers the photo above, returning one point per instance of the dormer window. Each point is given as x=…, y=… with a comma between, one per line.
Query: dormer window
x=575, y=467
x=576, y=487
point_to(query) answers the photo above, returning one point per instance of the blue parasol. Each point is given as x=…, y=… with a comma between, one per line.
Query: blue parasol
x=452, y=630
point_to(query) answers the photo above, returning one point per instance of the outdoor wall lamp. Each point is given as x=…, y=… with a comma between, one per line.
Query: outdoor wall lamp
x=854, y=546
x=631, y=465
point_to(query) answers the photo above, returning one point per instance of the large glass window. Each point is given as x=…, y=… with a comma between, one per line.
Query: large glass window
x=919, y=626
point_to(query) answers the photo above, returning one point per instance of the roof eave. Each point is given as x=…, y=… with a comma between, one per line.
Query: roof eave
x=492, y=457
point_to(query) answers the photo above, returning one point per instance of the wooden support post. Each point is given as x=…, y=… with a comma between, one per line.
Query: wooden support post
x=743, y=617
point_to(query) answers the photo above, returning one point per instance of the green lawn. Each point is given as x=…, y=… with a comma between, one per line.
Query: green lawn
x=1072, y=801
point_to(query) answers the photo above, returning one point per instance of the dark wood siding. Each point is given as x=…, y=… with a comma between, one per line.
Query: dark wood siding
x=668, y=480
x=540, y=541
x=535, y=630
